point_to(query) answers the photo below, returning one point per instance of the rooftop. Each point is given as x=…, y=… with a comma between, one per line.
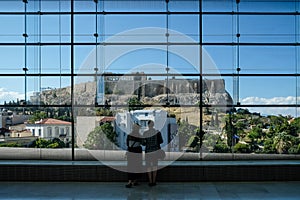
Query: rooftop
x=51, y=121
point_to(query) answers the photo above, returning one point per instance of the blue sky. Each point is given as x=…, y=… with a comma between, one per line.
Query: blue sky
x=253, y=59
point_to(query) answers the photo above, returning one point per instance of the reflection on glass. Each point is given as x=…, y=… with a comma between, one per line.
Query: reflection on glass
x=149, y=65
x=218, y=28
x=275, y=29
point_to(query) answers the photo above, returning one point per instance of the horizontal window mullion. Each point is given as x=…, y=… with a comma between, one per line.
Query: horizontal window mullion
x=150, y=44
x=153, y=105
x=152, y=74
x=35, y=74
x=149, y=13
x=36, y=105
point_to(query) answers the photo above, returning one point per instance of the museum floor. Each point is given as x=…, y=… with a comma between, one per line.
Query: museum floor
x=163, y=190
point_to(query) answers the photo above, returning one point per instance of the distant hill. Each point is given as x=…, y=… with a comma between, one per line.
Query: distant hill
x=119, y=92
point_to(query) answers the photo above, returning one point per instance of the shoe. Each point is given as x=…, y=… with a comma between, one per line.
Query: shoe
x=129, y=185
x=135, y=183
x=152, y=184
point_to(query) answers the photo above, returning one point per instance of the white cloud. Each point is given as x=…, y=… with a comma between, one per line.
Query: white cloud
x=273, y=110
x=7, y=96
x=274, y=100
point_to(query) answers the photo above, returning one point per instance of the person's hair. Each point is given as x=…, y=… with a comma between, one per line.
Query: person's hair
x=150, y=122
x=132, y=128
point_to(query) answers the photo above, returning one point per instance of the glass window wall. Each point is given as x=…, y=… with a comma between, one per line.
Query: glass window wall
x=215, y=76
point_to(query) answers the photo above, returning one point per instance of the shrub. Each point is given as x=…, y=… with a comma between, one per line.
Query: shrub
x=242, y=148
x=221, y=148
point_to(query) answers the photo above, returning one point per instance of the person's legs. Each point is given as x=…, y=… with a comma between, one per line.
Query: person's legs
x=148, y=166
x=154, y=170
x=138, y=168
x=130, y=168
x=154, y=173
x=149, y=175
x=130, y=180
x=152, y=167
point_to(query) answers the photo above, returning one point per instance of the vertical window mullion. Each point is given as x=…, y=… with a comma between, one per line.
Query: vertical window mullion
x=25, y=35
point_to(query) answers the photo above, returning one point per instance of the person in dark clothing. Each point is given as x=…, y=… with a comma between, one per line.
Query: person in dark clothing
x=152, y=141
x=134, y=156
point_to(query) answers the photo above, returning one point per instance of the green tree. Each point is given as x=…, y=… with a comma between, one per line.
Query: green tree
x=221, y=147
x=185, y=131
x=242, y=148
x=102, y=137
x=104, y=112
x=282, y=142
x=254, y=135
x=271, y=133
x=296, y=124
x=134, y=104
x=56, y=143
x=210, y=140
x=242, y=111
x=230, y=130
x=37, y=115
x=40, y=143
x=295, y=149
x=269, y=146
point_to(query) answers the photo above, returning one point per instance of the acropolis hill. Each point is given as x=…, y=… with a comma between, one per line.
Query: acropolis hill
x=84, y=93
x=153, y=92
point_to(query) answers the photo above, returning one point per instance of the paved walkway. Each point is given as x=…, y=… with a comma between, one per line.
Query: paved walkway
x=164, y=190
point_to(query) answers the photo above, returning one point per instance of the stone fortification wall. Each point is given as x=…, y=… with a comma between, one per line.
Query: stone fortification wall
x=151, y=88
x=119, y=91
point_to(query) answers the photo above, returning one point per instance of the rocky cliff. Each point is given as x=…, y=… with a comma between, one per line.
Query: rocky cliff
x=180, y=92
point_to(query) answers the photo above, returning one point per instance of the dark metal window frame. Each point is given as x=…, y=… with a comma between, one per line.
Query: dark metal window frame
x=201, y=13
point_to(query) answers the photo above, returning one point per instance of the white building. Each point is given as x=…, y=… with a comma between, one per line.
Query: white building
x=10, y=118
x=51, y=128
x=166, y=125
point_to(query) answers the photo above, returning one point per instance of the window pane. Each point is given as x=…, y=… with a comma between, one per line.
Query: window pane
x=182, y=26
x=85, y=27
x=151, y=5
x=54, y=90
x=184, y=59
x=267, y=6
x=218, y=28
x=222, y=57
x=133, y=26
x=11, y=59
x=268, y=90
x=84, y=58
x=55, y=6
x=55, y=59
x=12, y=28
x=81, y=5
x=267, y=59
x=210, y=6
x=13, y=6
x=10, y=91
x=188, y=6
x=55, y=28
x=268, y=28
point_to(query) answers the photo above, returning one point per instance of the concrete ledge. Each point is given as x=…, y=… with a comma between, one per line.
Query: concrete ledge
x=25, y=164
x=7, y=153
